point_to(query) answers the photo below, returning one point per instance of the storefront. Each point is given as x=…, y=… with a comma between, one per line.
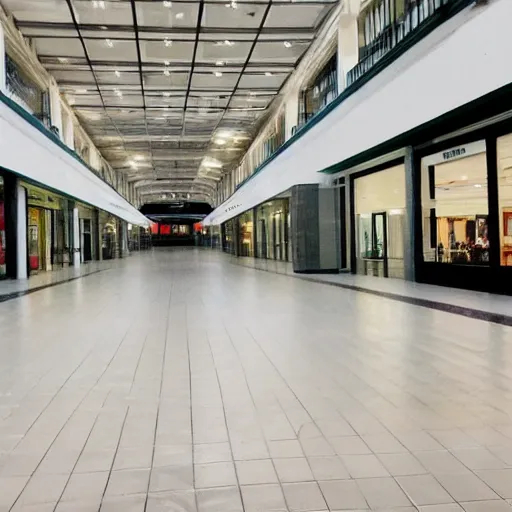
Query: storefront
x=246, y=232
x=465, y=209
x=49, y=230
x=379, y=199
x=88, y=230
x=3, y=244
x=449, y=222
x=109, y=236
x=273, y=230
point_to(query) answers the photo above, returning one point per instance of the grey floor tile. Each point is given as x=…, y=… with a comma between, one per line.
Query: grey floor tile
x=402, y=464
x=216, y=452
x=499, y=480
x=43, y=489
x=487, y=506
x=128, y=481
x=304, y=497
x=293, y=470
x=216, y=474
x=130, y=503
x=263, y=498
x=256, y=472
x=383, y=493
x=171, y=478
x=328, y=468
x=221, y=499
x=343, y=495
x=478, y=458
x=175, y=501
x=288, y=448
x=424, y=490
x=364, y=466
x=350, y=445
x=467, y=487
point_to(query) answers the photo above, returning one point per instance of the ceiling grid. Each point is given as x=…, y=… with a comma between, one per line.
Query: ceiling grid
x=171, y=92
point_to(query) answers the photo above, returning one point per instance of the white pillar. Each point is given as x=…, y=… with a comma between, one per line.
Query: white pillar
x=3, y=78
x=21, y=233
x=76, y=238
x=291, y=113
x=348, y=41
x=55, y=109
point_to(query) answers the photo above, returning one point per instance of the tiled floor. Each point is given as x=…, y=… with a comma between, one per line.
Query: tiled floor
x=179, y=382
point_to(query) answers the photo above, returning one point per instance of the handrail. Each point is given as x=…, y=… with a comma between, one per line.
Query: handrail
x=441, y=15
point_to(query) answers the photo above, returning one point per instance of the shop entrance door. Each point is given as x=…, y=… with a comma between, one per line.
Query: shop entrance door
x=263, y=231
x=380, y=239
x=86, y=240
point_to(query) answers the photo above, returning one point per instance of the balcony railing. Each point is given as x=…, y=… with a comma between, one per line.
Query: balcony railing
x=394, y=33
x=26, y=94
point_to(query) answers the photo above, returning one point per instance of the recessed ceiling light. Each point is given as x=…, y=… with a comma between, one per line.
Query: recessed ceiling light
x=166, y=94
x=168, y=42
x=180, y=15
x=167, y=72
x=477, y=185
x=220, y=142
x=226, y=42
x=81, y=91
x=63, y=60
x=109, y=43
x=232, y=5
x=103, y=27
x=117, y=73
x=218, y=74
x=287, y=44
x=98, y=4
x=166, y=62
x=220, y=63
x=268, y=73
x=167, y=3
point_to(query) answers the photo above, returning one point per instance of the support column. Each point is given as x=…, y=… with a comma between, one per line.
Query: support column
x=55, y=109
x=21, y=233
x=291, y=113
x=3, y=76
x=410, y=225
x=255, y=232
x=348, y=41
x=76, y=238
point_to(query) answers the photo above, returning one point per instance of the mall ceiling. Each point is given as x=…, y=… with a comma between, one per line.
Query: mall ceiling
x=171, y=92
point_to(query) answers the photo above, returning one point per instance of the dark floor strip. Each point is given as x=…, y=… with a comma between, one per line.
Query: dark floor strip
x=17, y=295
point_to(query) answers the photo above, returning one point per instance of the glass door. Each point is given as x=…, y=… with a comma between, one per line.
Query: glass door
x=380, y=239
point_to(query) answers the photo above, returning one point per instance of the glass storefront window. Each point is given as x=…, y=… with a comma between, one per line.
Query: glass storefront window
x=2, y=230
x=505, y=198
x=380, y=212
x=273, y=230
x=245, y=223
x=455, y=206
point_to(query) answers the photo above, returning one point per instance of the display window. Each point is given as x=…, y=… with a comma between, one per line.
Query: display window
x=455, y=206
x=379, y=222
x=3, y=248
x=246, y=225
x=505, y=198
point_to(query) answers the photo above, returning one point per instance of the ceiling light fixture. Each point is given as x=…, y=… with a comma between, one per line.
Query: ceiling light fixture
x=117, y=73
x=166, y=94
x=287, y=44
x=167, y=3
x=81, y=91
x=138, y=158
x=232, y=5
x=477, y=185
x=268, y=73
x=109, y=43
x=166, y=62
x=103, y=27
x=167, y=72
x=218, y=74
x=220, y=63
x=168, y=42
x=63, y=60
x=180, y=15
x=221, y=142
x=226, y=42
x=98, y=4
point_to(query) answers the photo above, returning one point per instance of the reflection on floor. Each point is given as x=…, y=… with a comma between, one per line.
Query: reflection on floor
x=398, y=288
x=43, y=279
x=180, y=382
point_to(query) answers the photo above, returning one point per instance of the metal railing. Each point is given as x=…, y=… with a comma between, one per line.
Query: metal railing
x=393, y=34
x=27, y=94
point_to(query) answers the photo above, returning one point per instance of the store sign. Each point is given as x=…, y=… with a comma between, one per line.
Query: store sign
x=454, y=153
x=473, y=148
